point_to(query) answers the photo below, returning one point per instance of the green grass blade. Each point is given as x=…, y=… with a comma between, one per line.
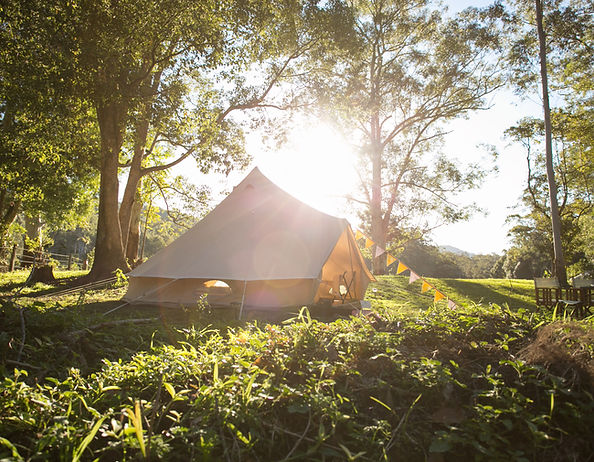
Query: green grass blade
x=87, y=440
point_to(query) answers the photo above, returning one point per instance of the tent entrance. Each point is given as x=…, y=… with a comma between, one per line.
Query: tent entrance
x=343, y=278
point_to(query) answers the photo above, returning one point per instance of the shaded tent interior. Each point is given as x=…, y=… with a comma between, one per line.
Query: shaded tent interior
x=259, y=248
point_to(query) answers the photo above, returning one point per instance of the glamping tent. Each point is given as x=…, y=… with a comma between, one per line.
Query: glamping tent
x=260, y=248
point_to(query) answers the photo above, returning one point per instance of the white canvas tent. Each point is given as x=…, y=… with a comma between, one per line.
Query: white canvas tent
x=260, y=247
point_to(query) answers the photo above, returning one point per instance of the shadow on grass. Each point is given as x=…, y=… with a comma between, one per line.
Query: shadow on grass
x=479, y=292
x=18, y=288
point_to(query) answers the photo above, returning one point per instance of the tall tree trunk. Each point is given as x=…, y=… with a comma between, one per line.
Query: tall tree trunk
x=130, y=193
x=559, y=260
x=109, y=251
x=134, y=231
x=377, y=232
x=141, y=129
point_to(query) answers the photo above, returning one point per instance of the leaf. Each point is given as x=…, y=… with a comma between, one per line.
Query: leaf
x=136, y=421
x=87, y=440
x=4, y=442
x=169, y=389
x=138, y=427
x=110, y=388
x=349, y=454
x=380, y=402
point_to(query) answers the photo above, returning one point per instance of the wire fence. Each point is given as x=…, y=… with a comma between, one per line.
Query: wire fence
x=16, y=258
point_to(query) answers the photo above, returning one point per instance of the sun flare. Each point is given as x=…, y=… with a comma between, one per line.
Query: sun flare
x=318, y=167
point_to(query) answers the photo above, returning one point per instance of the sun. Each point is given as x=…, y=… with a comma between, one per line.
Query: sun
x=317, y=166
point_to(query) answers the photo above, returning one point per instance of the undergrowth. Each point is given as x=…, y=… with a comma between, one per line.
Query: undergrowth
x=442, y=384
x=477, y=383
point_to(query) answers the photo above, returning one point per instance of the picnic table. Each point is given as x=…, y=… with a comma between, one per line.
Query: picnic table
x=578, y=296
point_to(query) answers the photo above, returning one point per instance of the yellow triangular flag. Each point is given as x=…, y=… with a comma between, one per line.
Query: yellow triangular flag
x=390, y=259
x=359, y=235
x=401, y=267
x=368, y=242
x=438, y=296
x=426, y=286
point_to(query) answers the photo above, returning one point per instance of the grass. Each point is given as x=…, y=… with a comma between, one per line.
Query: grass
x=494, y=379
x=394, y=292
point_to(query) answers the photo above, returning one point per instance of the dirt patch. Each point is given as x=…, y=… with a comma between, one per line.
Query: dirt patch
x=566, y=349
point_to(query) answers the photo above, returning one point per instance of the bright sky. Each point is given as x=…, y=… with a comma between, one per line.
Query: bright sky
x=318, y=167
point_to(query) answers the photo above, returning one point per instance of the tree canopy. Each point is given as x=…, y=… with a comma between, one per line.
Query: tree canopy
x=409, y=69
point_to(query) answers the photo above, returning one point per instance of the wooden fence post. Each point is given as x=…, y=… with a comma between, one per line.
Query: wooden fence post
x=69, y=261
x=12, y=258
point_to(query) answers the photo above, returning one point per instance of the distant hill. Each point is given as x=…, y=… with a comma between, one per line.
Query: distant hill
x=456, y=250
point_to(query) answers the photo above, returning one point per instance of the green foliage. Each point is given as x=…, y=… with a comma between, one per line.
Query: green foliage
x=432, y=261
x=403, y=383
x=531, y=254
x=48, y=141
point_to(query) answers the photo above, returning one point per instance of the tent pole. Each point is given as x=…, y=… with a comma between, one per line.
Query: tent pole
x=242, y=300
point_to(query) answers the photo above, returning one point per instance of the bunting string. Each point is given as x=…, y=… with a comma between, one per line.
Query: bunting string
x=402, y=267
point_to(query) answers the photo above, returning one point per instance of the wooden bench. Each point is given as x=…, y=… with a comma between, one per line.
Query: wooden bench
x=584, y=291
x=550, y=294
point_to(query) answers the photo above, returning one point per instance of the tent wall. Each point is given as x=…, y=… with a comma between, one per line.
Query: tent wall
x=267, y=294
x=171, y=292
x=280, y=292
x=289, y=253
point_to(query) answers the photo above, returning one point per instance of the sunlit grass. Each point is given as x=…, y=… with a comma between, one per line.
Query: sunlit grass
x=395, y=292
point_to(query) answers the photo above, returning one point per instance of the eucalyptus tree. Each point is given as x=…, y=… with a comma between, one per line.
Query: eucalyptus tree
x=551, y=45
x=410, y=69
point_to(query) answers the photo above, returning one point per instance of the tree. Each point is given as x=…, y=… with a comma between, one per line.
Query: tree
x=532, y=232
x=47, y=143
x=554, y=42
x=124, y=67
x=409, y=70
x=559, y=259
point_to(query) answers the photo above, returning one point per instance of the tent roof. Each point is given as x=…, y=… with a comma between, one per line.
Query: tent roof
x=258, y=232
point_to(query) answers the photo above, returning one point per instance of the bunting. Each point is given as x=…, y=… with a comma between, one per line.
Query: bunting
x=425, y=286
x=401, y=267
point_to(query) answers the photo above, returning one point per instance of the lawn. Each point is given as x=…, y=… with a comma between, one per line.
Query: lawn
x=395, y=292
x=494, y=379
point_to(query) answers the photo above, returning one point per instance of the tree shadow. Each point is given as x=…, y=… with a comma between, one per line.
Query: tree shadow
x=479, y=292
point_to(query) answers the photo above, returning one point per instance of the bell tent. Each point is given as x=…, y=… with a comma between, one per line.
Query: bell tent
x=260, y=248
